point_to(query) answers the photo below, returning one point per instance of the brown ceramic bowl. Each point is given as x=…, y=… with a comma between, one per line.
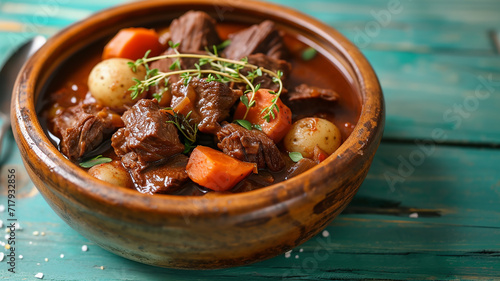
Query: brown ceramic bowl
x=197, y=232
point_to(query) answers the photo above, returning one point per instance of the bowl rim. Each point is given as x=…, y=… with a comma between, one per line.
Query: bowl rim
x=366, y=134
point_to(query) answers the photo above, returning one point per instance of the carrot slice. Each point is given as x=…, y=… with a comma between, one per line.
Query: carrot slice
x=132, y=43
x=278, y=127
x=215, y=170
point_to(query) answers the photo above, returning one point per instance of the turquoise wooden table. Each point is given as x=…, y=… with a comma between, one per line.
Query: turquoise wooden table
x=430, y=206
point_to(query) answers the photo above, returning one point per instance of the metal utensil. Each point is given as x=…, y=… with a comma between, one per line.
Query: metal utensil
x=8, y=75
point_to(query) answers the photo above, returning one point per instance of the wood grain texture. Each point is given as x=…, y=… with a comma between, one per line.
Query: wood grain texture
x=429, y=57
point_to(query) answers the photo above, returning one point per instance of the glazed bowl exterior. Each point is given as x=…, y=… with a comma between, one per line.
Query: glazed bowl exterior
x=197, y=232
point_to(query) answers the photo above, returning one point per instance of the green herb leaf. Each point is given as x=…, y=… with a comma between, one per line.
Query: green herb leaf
x=95, y=161
x=186, y=77
x=182, y=123
x=175, y=64
x=257, y=87
x=157, y=96
x=172, y=45
x=295, y=156
x=273, y=114
x=223, y=45
x=309, y=54
x=257, y=126
x=188, y=147
x=244, y=123
x=210, y=78
x=244, y=100
x=132, y=66
x=198, y=68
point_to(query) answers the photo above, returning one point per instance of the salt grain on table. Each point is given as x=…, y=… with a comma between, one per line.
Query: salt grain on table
x=288, y=254
x=39, y=275
x=2, y=255
x=414, y=215
x=46, y=259
x=62, y=256
x=2, y=208
x=296, y=256
x=85, y=248
x=1, y=223
x=325, y=233
x=36, y=233
x=21, y=257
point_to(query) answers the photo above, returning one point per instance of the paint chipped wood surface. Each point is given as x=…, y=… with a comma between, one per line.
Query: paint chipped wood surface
x=429, y=208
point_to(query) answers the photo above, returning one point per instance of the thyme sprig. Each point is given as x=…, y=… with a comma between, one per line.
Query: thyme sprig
x=220, y=69
x=269, y=111
x=188, y=130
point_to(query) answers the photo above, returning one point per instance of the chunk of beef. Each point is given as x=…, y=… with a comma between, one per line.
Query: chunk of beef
x=304, y=91
x=301, y=166
x=166, y=178
x=209, y=102
x=259, y=38
x=84, y=127
x=147, y=137
x=194, y=31
x=269, y=63
x=250, y=146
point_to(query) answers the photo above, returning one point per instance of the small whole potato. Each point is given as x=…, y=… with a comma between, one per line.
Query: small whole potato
x=113, y=173
x=110, y=80
x=307, y=133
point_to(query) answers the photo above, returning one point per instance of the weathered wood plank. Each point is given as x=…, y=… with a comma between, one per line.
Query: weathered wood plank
x=454, y=93
x=414, y=26
x=419, y=26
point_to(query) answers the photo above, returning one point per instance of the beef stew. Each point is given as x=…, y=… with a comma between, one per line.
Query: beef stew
x=152, y=141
